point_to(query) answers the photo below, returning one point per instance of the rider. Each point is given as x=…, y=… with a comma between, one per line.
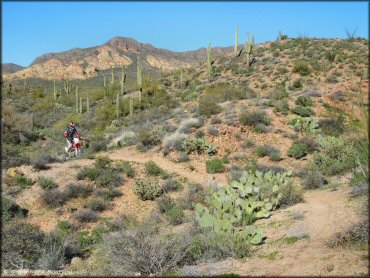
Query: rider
x=70, y=133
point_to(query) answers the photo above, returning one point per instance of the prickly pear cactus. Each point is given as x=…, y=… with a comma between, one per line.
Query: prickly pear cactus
x=243, y=201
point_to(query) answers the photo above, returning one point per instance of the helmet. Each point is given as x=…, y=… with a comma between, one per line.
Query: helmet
x=71, y=124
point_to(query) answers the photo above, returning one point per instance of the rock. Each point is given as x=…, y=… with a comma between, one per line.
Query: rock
x=59, y=211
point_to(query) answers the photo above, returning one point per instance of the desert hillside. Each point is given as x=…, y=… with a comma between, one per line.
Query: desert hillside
x=245, y=160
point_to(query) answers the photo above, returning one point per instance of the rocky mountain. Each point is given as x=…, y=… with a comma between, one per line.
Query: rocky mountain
x=10, y=68
x=83, y=63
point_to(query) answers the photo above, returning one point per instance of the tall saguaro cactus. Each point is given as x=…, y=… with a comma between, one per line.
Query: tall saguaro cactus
x=181, y=80
x=117, y=106
x=55, y=91
x=248, y=49
x=131, y=109
x=236, y=41
x=122, y=80
x=139, y=76
x=87, y=104
x=81, y=105
x=77, y=99
x=209, y=62
x=105, y=89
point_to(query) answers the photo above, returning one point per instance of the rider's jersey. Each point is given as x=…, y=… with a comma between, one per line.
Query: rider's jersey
x=70, y=133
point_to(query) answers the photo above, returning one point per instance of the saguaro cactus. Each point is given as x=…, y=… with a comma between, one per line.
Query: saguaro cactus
x=248, y=49
x=181, y=80
x=139, y=77
x=77, y=98
x=209, y=62
x=236, y=41
x=122, y=80
x=117, y=106
x=105, y=89
x=55, y=91
x=87, y=104
x=131, y=109
x=81, y=105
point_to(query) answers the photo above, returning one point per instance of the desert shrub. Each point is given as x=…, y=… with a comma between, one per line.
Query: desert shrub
x=303, y=111
x=247, y=144
x=199, y=145
x=302, y=67
x=23, y=181
x=96, y=204
x=304, y=101
x=77, y=190
x=52, y=256
x=187, y=124
x=183, y=157
x=264, y=168
x=298, y=150
x=40, y=161
x=216, y=120
x=279, y=93
x=127, y=168
x=215, y=166
x=147, y=137
x=275, y=156
x=253, y=118
x=10, y=210
x=85, y=216
x=175, y=215
x=143, y=249
x=152, y=169
x=89, y=172
x=47, y=183
x=291, y=194
x=148, y=188
x=199, y=134
x=102, y=162
x=297, y=84
x=212, y=131
x=336, y=157
x=54, y=197
x=261, y=128
x=333, y=126
x=355, y=235
x=281, y=106
x=164, y=203
x=208, y=106
x=107, y=193
x=109, y=178
x=174, y=142
x=20, y=244
x=171, y=184
x=270, y=151
x=194, y=194
x=313, y=179
x=211, y=246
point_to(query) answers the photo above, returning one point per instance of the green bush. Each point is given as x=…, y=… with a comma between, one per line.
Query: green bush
x=215, y=166
x=175, y=215
x=302, y=67
x=171, y=184
x=303, y=111
x=194, y=194
x=304, y=101
x=20, y=244
x=54, y=197
x=313, y=179
x=23, y=181
x=97, y=204
x=102, y=162
x=109, y=178
x=336, y=157
x=107, y=193
x=47, y=183
x=89, y=172
x=164, y=203
x=152, y=169
x=10, y=210
x=254, y=118
x=85, y=216
x=128, y=169
x=77, y=190
x=298, y=150
x=207, y=246
x=148, y=188
x=291, y=194
x=281, y=106
x=208, y=106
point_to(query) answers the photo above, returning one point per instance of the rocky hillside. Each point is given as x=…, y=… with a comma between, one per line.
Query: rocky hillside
x=82, y=63
x=10, y=68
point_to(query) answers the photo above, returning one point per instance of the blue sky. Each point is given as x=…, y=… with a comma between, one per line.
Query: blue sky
x=35, y=28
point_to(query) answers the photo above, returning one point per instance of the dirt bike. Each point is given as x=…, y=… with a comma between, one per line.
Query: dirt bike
x=76, y=150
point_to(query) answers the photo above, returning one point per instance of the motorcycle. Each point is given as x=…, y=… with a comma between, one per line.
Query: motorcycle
x=76, y=150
